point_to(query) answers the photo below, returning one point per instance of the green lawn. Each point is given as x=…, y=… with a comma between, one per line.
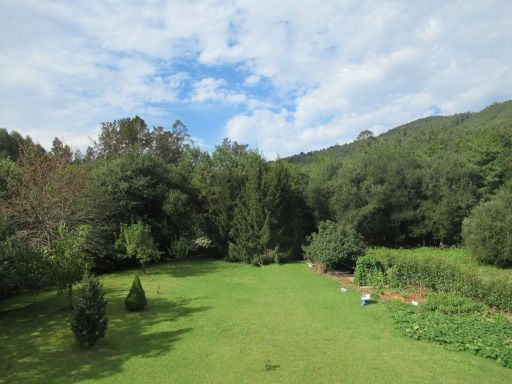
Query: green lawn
x=459, y=255
x=216, y=322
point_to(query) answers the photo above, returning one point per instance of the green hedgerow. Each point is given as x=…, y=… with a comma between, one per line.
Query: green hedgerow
x=136, y=299
x=90, y=321
x=435, y=274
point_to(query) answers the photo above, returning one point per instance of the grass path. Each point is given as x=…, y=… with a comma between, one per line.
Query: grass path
x=216, y=322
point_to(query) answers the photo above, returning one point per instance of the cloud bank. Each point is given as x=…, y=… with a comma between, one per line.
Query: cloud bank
x=284, y=76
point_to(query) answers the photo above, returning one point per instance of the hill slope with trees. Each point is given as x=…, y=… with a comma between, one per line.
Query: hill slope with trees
x=415, y=184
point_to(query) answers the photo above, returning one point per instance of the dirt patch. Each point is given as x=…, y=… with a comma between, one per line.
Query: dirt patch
x=347, y=280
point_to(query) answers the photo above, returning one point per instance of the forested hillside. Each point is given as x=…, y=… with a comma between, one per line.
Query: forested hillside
x=416, y=183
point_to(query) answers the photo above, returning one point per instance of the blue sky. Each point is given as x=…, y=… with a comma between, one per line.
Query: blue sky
x=282, y=76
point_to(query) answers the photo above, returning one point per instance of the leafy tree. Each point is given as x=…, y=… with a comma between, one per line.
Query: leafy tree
x=90, y=321
x=138, y=185
x=49, y=192
x=169, y=145
x=122, y=136
x=132, y=134
x=366, y=138
x=67, y=258
x=138, y=243
x=487, y=231
x=136, y=299
x=334, y=246
x=450, y=190
x=378, y=192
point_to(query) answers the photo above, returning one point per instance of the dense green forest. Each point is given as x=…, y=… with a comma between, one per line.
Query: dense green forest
x=415, y=184
x=141, y=194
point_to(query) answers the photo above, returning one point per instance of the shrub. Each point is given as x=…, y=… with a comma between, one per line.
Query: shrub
x=21, y=269
x=203, y=242
x=270, y=256
x=487, y=232
x=136, y=299
x=334, y=246
x=137, y=241
x=434, y=273
x=365, y=267
x=90, y=321
x=181, y=248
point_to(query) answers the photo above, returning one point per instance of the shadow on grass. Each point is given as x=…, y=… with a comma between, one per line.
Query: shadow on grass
x=185, y=268
x=38, y=345
x=271, y=367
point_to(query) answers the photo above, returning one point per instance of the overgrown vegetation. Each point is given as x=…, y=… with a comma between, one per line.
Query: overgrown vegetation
x=483, y=333
x=450, y=304
x=400, y=270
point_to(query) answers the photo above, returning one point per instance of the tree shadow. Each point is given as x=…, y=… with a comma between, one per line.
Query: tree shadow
x=185, y=268
x=39, y=347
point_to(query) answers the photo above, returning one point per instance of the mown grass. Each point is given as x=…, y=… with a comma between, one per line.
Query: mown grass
x=217, y=322
x=458, y=255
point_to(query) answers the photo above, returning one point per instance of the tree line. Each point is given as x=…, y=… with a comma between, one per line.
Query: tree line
x=141, y=194
x=416, y=184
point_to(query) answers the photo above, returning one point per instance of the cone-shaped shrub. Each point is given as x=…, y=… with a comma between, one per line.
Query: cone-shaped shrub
x=136, y=299
x=89, y=318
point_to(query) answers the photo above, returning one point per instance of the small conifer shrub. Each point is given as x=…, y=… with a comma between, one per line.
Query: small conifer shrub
x=90, y=321
x=136, y=299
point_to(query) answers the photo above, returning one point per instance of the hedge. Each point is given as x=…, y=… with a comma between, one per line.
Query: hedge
x=442, y=275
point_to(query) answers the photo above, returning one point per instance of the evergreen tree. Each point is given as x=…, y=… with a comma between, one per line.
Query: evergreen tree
x=90, y=321
x=250, y=215
x=136, y=299
x=287, y=216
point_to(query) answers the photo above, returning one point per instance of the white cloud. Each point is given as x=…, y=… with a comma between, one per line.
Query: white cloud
x=268, y=131
x=252, y=80
x=312, y=74
x=210, y=89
